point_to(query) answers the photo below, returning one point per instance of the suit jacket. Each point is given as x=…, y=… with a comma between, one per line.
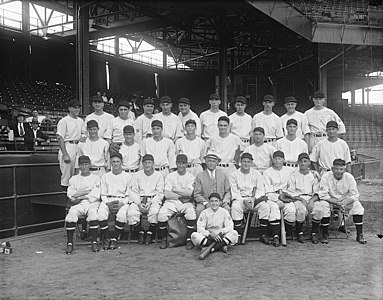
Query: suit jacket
x=204, y=186
x=28, y=136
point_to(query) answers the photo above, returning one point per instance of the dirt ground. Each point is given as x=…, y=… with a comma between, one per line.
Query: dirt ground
x=343, y=269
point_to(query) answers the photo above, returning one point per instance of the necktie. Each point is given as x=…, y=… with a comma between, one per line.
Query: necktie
x=21, y=130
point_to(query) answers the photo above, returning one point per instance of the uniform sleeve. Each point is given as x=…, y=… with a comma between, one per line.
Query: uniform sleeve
x=84, y=132
x=198, y=131
x=202, y=224
x=198, y=191
x=177, y=147
x=347, y=155
x=159, y=189
x=342, y=128
x=305, y=125
x=291, y=186
x=316, y=182
x=138, y=130
x=235, y=192
x=203, y=151
x=315, y=153
x=305, y=148
x=134, y=189
x=324, y=188
x=191, y=181
x=279, y=129
x=179, y=132
x=61, y=128
x=104, y=188
x=172, y=155
x=353, y=191
x=228, y=224
x=95, y=193
x=71, y=189
x=109, y=130
x=278, y=144
x=268, y=183
x=260, y=187
x=169, y=184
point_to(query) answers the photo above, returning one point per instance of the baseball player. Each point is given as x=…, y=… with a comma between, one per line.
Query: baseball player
x=261, y=152
x=339, y=189
x=303, y=130
x=226, y=145
x=102, y=118
x=318, y=116
x=212, y=180
x=147, y=185
x=172, y=126
x=275, y=184
x=301, y=196
x=291, y=145
x=240, y=122
x=215, y=225
x=84, y=195
x=114, y=133
x=142, y=125
x=115, y=186
x=269, y=121
x=131, y=151
x=209, y=118
x=247, y=191
x=96, y=148
x=178, y=192
x=187, y=114
x=326, y=150
x=68, y=136
x=161, y=148
x=193, y=147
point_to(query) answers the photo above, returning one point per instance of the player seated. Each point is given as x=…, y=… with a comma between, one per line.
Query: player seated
x=178, y=198
x=147, y=192
x=84, y=194
x=214, y=226
x=114, y=199
x=301, y=197
x=339, y=189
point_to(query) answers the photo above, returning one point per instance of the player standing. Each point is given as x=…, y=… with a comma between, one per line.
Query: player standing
x=240, y=122
x=187, y=114
x=209, y=118
x=142, y=125
x=131, y=151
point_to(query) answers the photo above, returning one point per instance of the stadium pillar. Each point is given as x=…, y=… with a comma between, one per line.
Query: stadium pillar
x=222, y=60
x=82, y=55
x=323, y=80
x=363, y=97
x=352, y=95
x=25, y=16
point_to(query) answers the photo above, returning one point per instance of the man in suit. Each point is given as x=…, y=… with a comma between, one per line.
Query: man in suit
x=212, y=180
x=22, y=130
x=38, y=135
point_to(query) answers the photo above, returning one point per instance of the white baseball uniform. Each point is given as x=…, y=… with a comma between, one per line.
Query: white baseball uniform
x=150, y=186
x=195, y=150
x=325, y=152
x=98, y=152
x=262, y=156
x=69, y=129
x=102, y=121
x=115, y=130
x=303, y=126
x=142, y=126
x=291, y=149
x=172, y=126
x=241, y=126
x=218, y=222
x=131, y=156
x=191, y=116
x=270, y=123
x=209, y=122
x=176, y=181
x=88, y=206
x=114, y=187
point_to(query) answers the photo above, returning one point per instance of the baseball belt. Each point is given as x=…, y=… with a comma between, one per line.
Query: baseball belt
x=245, y=140
x=131, y=171
x=225, y=165
x=111, y=196
x=318, y=134
x=270, y=140
x=192, y=165
x=96, y=168
x=72, y=142
x=160, y=168
x=290, y=164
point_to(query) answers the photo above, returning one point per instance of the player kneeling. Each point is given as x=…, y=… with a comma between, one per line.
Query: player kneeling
x=214, y=226
x=84, y=195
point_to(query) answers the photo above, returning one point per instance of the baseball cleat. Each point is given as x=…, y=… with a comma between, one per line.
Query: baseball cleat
x=325, y=239
x=361, y=239
x=83, y=235
x=148, y=239
x=113, y=244
x=69, y=248
x=106, y=244
x=314, y=238
x=301, y=238
x=141, y=238
x=265, y=240
x=189, y=245
x=95, y=247
x=276, y=241
x=163, y=244
x=225, y=249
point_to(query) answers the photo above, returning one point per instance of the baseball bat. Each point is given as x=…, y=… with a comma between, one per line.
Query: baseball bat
x=246, y=229
x=283, y=230
x=206, y=251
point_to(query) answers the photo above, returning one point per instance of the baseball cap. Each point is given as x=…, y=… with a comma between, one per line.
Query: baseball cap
x=214, y=96
x=338, y=162
x=212, y=155
x=165, y=99
x=190, y=121
x=269, y=98
x=74, y=103
x=128, y=129
x=224, y=118
x=332, y=124
x=184, y=100
x=148, y=157
x=116, y=154
x=157, y=123
x=246, y=155
x=290, y=99
x=91, y=123
x=83, y=159
x=259, y=129
x=291, y=121
x=124, y=103
x=182, y=158
x=302, y=156
x=240, y=99
x=214, y=195
x=278, y=153
x=148, y=101
x=318, y=94
x=97, y=98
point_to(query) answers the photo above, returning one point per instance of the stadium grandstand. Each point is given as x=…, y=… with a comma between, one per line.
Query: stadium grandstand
x=56, y=51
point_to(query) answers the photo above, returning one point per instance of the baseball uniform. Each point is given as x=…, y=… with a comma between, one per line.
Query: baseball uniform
x=195, y=150
x=271, y=124
x=241, y=126
x=102, y=121
x=69, y=129
x=262, y=156
x=302, y=127
x=142, y=127
x=209, y=121
x=131, y=157
x=115, y=129
x=98, y=152
x=172, y=126
x=291, y=149
x=191, y=116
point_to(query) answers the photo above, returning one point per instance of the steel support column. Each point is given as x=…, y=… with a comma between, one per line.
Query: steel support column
x=82, y=56
x=25, y=16
x=222, y=60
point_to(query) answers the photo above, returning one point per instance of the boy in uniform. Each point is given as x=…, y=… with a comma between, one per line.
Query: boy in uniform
x=240, y=122
x=209, y=118
x=142, y=124
x=131, y=151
